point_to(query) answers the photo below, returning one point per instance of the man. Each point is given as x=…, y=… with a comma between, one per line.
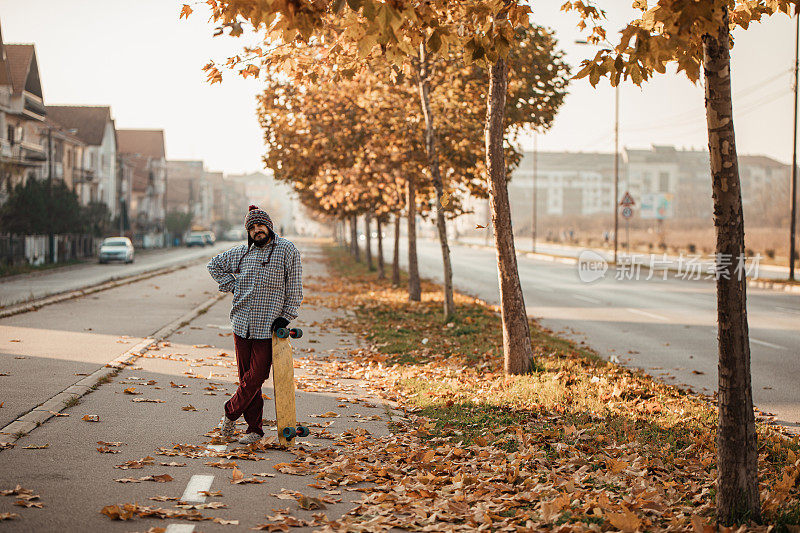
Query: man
x=265, y=278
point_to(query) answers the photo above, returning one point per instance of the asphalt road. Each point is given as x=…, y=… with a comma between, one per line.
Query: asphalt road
x=75, y=482
x=666, y=327
x=756, y=266
x=28, y=287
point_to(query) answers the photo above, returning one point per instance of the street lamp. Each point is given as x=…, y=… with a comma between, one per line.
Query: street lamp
x=616, y=160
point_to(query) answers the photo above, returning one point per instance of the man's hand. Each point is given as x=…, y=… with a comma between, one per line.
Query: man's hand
x=279, y=322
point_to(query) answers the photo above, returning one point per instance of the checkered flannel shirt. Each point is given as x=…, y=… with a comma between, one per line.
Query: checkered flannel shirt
x=266, y=284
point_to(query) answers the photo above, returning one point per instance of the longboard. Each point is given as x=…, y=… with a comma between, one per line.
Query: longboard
x=283, y=385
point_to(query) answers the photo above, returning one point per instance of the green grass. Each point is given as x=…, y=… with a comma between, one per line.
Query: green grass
x=455, y=380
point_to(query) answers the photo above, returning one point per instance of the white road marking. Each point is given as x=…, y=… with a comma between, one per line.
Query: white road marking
x=767, y=344
x=197, y=483
x=647, y=314
x=586, y=299
x=180, y=528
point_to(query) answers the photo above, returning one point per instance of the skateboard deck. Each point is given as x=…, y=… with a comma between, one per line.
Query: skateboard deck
x=283, y=385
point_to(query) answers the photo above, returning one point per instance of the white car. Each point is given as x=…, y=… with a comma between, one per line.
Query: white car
x=116, y=249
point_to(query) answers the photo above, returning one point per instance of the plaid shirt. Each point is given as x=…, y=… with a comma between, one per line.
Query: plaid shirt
x=266, y=284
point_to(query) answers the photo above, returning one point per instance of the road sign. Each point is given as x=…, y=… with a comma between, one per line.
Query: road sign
x=627, y=212
x=657, y=205
x=627, y=199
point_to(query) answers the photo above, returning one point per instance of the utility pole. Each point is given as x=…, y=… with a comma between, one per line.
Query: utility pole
x=533, y=223
x=793, y=219
x=616, y=162
x=616, y=169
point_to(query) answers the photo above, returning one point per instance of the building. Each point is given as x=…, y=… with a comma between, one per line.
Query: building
x=143, y=150
x=581, y=184
x=186, y=180
x=277, y=198
x=95, y=177
x=22, y=117
x=66, y=153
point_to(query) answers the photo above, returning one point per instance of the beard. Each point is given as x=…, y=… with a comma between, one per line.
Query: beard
x=260, y=239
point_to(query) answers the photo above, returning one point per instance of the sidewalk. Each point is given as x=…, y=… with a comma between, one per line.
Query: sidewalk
x=162, y=412
x=37, y=285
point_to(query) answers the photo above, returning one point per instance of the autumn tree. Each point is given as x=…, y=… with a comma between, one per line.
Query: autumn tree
x=697, y=37
x=354, y=30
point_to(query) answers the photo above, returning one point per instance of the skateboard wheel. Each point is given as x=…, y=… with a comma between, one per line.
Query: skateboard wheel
x=289, y=432
x=282, y=333
x=295, y=333
x=302, y=431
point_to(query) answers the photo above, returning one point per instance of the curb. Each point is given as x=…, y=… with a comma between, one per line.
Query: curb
x=37, y=416
x=33, y=305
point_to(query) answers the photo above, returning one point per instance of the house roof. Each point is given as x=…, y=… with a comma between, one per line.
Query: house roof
x=143, y=142
x=761, y=161
x=89, y=121
x=20, y=58
x=5, y=73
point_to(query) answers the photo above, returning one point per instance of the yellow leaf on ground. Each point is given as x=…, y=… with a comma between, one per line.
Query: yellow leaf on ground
x=237, y=475
x=626, y=521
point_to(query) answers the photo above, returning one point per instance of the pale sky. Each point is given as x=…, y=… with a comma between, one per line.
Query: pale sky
x=146, y=64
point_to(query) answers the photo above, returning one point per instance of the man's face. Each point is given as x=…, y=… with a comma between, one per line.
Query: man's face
x=259, y=233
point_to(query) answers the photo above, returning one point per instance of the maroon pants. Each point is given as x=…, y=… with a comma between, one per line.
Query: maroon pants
x=254, y=357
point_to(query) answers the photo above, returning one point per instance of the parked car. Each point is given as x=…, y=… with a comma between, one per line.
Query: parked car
x=235, y=235
x=116, y=249
x=195, y=238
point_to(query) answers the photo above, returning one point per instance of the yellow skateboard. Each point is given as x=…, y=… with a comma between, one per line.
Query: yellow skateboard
x=283, y=384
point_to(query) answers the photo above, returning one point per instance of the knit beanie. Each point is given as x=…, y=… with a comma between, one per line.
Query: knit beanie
x=255, y=215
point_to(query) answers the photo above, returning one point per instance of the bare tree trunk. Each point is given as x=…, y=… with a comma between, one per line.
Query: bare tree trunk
x=414, y=288
x=517, y=352
x=432, y=153
x=354, y=237
x=368, y=241
x=381, y=266
x=396, y=255
x=737, y=454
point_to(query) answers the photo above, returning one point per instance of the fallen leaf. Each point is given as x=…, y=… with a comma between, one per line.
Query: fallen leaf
x=8, y=516
x=310, y=503
x=91, y=418
x=105, y=449
x=54, y=413
x=626, y=521
x=237, y=475
x=221, y=464
x=36, y=447
x=189, y=408
x=147, y=400
x=27, y=503
x=131, y=390
x=115, y=512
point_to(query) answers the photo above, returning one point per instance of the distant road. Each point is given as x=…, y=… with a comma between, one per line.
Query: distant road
x=770, y=272
x=666, y=327
x=40, y=284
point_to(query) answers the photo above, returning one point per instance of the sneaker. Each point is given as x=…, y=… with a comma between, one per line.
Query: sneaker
x=226, y=427
x=250, y=438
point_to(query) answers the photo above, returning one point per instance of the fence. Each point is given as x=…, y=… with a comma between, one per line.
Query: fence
x=35, y=249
